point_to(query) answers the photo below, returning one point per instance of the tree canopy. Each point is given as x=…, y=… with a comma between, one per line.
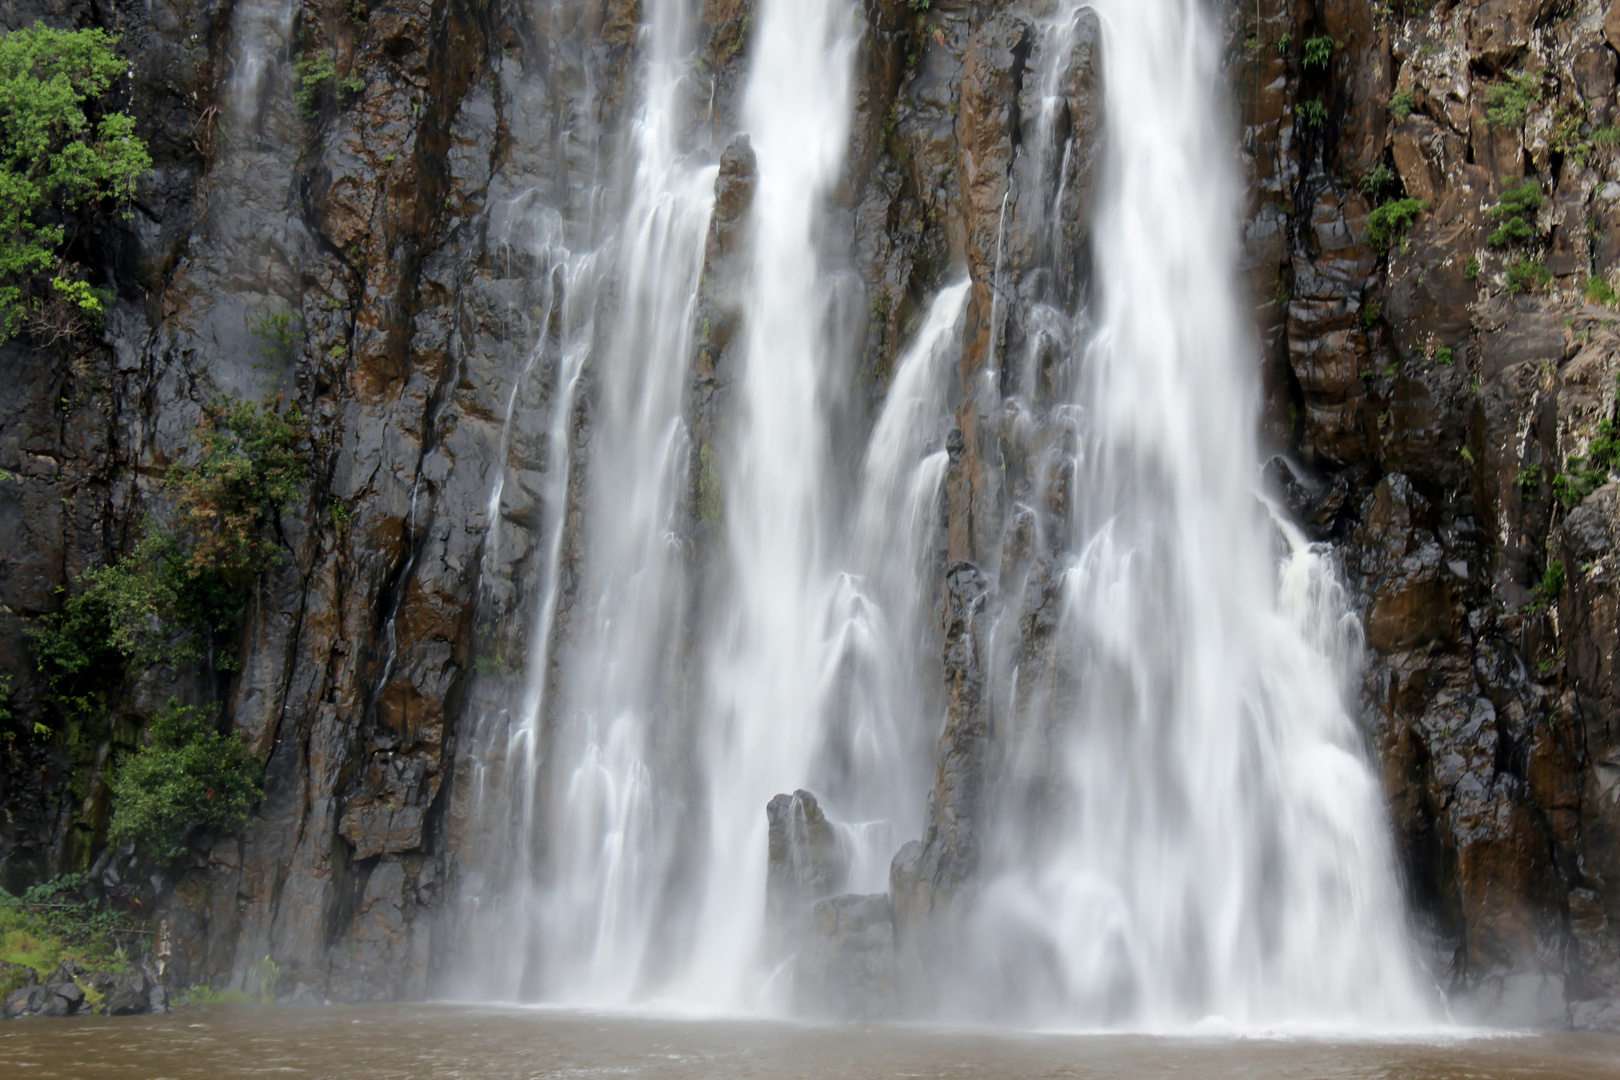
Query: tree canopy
x=61, y=150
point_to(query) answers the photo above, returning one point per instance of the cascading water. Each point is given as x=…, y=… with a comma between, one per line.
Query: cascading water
x=1183, y=820
x=574, y=897
x=1187, y=823
x=764, y=675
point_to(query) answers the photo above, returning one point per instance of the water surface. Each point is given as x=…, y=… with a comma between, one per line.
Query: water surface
x=417, y=1042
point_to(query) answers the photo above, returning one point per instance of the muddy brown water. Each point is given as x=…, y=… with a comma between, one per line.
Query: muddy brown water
x=451, y=1042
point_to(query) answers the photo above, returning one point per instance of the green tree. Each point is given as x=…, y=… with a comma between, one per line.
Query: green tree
x=60, y=151
x=190, y=775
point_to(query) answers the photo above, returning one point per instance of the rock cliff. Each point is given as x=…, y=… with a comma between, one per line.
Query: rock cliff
x=1432, y=399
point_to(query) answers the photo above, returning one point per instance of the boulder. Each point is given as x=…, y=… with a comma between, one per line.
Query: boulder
x=70, y=996
x=26, y=1001
x=128, y=994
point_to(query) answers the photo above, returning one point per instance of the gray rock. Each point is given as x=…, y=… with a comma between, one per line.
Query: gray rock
x=128, y=995
x=69, y=993
x=807, y=860
x=26, y=1001
x=848, y=970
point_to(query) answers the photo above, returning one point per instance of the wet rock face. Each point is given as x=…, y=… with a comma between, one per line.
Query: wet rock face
x=806, y=860
x=848, y=972
x=1433, y=402
x=841, y=948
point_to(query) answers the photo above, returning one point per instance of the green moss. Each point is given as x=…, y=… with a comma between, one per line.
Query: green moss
x=1444, y=356
x=711, y=495
x=1599, y=291
x=199, y=994
x=12, y=980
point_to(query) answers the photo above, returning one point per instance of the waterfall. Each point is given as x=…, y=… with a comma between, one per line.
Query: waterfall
x=1187, y=820
x=1182, y=819
x=763, y=671
x=584, y=827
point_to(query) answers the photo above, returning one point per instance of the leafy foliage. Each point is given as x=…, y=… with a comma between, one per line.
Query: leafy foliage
x=1510, y=102
x=252, y=465
x=1599, y=291
x=275, y=328
x=1313, y=113
x=1552, y=584
x=1377, y=179
x=1391, y=219
x=1517, y=213
x=166, y=599
x=1403, y=104
x=190, y=775
x=1583, y=475
x=52, y=921
x=1318, y=52
x=1526, y=275
x=318, y=79
x=57, y=156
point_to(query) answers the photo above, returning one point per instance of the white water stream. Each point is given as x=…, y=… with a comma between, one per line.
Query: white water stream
x=1186, y=822
x=1190, y=825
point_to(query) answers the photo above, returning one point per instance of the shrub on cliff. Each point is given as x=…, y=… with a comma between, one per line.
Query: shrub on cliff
x=1510, y=102
x=167, y=600
x=1390, y=220
x=60, y=151
x=1516, y=211
x=189, y=775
